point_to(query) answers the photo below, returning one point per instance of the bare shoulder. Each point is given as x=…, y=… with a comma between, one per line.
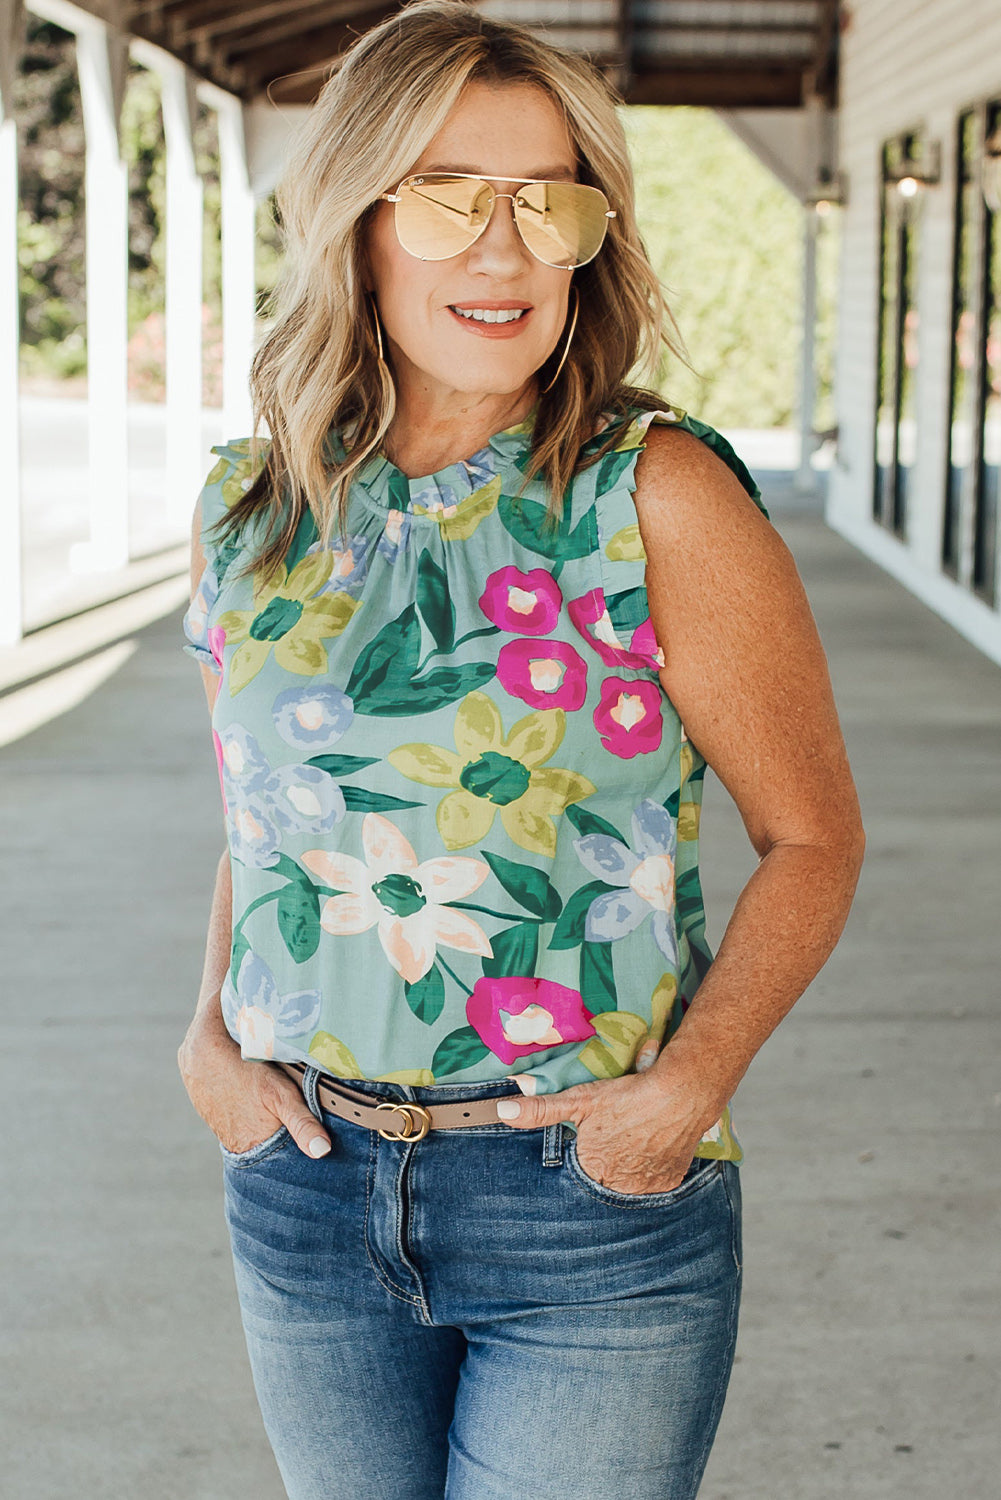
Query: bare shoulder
x=681, y=483
x=705, y=538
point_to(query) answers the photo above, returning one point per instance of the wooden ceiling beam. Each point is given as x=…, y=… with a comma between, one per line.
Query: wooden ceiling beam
x=719, y=88
x=312, y=54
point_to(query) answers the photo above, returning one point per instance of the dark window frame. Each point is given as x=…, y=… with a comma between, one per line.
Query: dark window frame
x=969, y=535
x=898, y=231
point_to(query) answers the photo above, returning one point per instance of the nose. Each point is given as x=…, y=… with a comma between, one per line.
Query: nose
x=500, y=246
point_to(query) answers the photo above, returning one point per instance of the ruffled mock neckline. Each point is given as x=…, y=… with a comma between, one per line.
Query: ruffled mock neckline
x=389, y=489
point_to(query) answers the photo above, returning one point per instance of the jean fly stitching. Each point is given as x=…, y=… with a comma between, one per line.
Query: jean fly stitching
x=383, y=1281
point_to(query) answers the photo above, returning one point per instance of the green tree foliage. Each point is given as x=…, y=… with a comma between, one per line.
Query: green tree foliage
x=726, y=240
x=50, y=216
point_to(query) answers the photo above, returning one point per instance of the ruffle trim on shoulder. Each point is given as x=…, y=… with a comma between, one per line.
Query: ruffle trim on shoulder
x=227, y=482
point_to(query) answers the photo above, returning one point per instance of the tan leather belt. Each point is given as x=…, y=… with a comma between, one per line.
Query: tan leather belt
x=398, y=1120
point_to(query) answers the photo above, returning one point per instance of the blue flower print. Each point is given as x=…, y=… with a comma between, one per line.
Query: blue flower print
x=304, y=799
x=645, y=875
x=395, y=538
x=350, y=567
x=257, y=1016
x=196, y=619
x=254, y=836
x=243, y=761
x=262, y=801
x=314, y=716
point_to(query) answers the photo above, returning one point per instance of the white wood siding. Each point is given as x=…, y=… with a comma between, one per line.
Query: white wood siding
x=906, y=65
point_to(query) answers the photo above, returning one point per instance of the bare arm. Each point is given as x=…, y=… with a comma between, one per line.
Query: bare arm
x=242, y=1101
x=746, y=670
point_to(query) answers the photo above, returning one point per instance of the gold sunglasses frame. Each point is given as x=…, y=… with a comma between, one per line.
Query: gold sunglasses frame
x=417, y=177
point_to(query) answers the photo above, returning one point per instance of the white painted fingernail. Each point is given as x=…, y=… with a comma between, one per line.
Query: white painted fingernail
x=508, y=1109
x=319, y=1146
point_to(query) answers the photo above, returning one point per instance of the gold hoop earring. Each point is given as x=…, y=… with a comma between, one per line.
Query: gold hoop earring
x=378, y=328
x=566, y=348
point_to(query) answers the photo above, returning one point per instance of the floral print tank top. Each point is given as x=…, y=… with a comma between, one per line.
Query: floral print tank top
x=462, y=812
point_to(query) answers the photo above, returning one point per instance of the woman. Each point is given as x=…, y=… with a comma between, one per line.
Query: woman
x=471, y=627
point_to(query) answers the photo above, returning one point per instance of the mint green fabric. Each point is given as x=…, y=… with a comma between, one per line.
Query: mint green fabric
x=462, y=812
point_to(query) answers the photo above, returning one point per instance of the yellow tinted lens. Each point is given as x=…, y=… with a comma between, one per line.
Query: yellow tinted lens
x=563, y=223
x=438, y=217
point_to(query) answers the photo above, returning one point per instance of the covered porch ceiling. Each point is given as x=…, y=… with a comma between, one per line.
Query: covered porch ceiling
x=722, y=54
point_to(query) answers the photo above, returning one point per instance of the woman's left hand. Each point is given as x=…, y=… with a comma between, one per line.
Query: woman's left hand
x=635, y=1134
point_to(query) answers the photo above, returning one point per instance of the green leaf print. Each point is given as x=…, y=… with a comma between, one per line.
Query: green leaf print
x=515, y=952
x=357, y=799
x=386, y=665
x=628, y=609
x=611, y=467
x=384, y=683
x=342, y=765
x=434, y=601
x=570, y=927
x=426, y=996
x=299, y=920
x=424, y=694
x=460, y=1049
x=530, y=887
x=524, y=520
x=597, y=982
x=241, y=945
x=688, y=896
x=587, y=822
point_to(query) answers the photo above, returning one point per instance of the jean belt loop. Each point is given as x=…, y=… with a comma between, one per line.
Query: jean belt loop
x=552, y=1145
x=309, y=1081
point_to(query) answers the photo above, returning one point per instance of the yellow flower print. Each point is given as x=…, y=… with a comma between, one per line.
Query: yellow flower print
x=491, y=773
x=458, y=522
x=289, y=616
x=238, y=476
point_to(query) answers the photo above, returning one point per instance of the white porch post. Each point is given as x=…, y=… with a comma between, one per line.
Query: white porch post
x=239, y=287
x=11, y=611
x=805, y=480
x=101, y=59
x=185, y=233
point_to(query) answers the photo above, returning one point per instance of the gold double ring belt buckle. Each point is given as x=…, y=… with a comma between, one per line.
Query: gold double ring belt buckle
x=411, y=1130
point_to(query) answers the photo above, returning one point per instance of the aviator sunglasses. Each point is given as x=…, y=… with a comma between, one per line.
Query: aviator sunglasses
x=440, y=214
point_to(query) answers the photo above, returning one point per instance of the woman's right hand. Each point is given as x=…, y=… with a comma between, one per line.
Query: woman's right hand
x=244, y=1101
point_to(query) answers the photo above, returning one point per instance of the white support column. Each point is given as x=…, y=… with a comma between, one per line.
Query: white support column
x=101, y=58
x=805, y=479
x=185, y=232
x=11, y=608
x=239, y=286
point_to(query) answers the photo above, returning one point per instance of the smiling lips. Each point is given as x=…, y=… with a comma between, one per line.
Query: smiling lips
x=492, y=319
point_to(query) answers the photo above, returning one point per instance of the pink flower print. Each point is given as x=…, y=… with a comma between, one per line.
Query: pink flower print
x=522, y=1014
x=406, y=900
x=217, y=742
x=590, y=616
x=543, y=674
x=524, y=603
x=628, y=717
x=217, y=640
x=645, y=644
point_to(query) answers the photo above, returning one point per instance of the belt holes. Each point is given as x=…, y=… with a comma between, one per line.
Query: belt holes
x=357, y=1113
x=465, y=1114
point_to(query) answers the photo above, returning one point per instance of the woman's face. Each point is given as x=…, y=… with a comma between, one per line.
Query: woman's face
x=435, y=353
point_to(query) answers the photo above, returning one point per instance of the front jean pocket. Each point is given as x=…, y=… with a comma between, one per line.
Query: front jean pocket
x=704, y=1169
x=281, y=1138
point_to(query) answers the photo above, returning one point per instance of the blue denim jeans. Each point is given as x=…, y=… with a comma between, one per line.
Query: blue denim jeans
x=471, y=1317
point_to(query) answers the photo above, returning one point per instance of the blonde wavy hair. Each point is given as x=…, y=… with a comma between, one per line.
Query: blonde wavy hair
x=318, y=366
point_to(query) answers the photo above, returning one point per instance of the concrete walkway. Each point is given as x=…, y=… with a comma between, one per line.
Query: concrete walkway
x=867, y=1360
